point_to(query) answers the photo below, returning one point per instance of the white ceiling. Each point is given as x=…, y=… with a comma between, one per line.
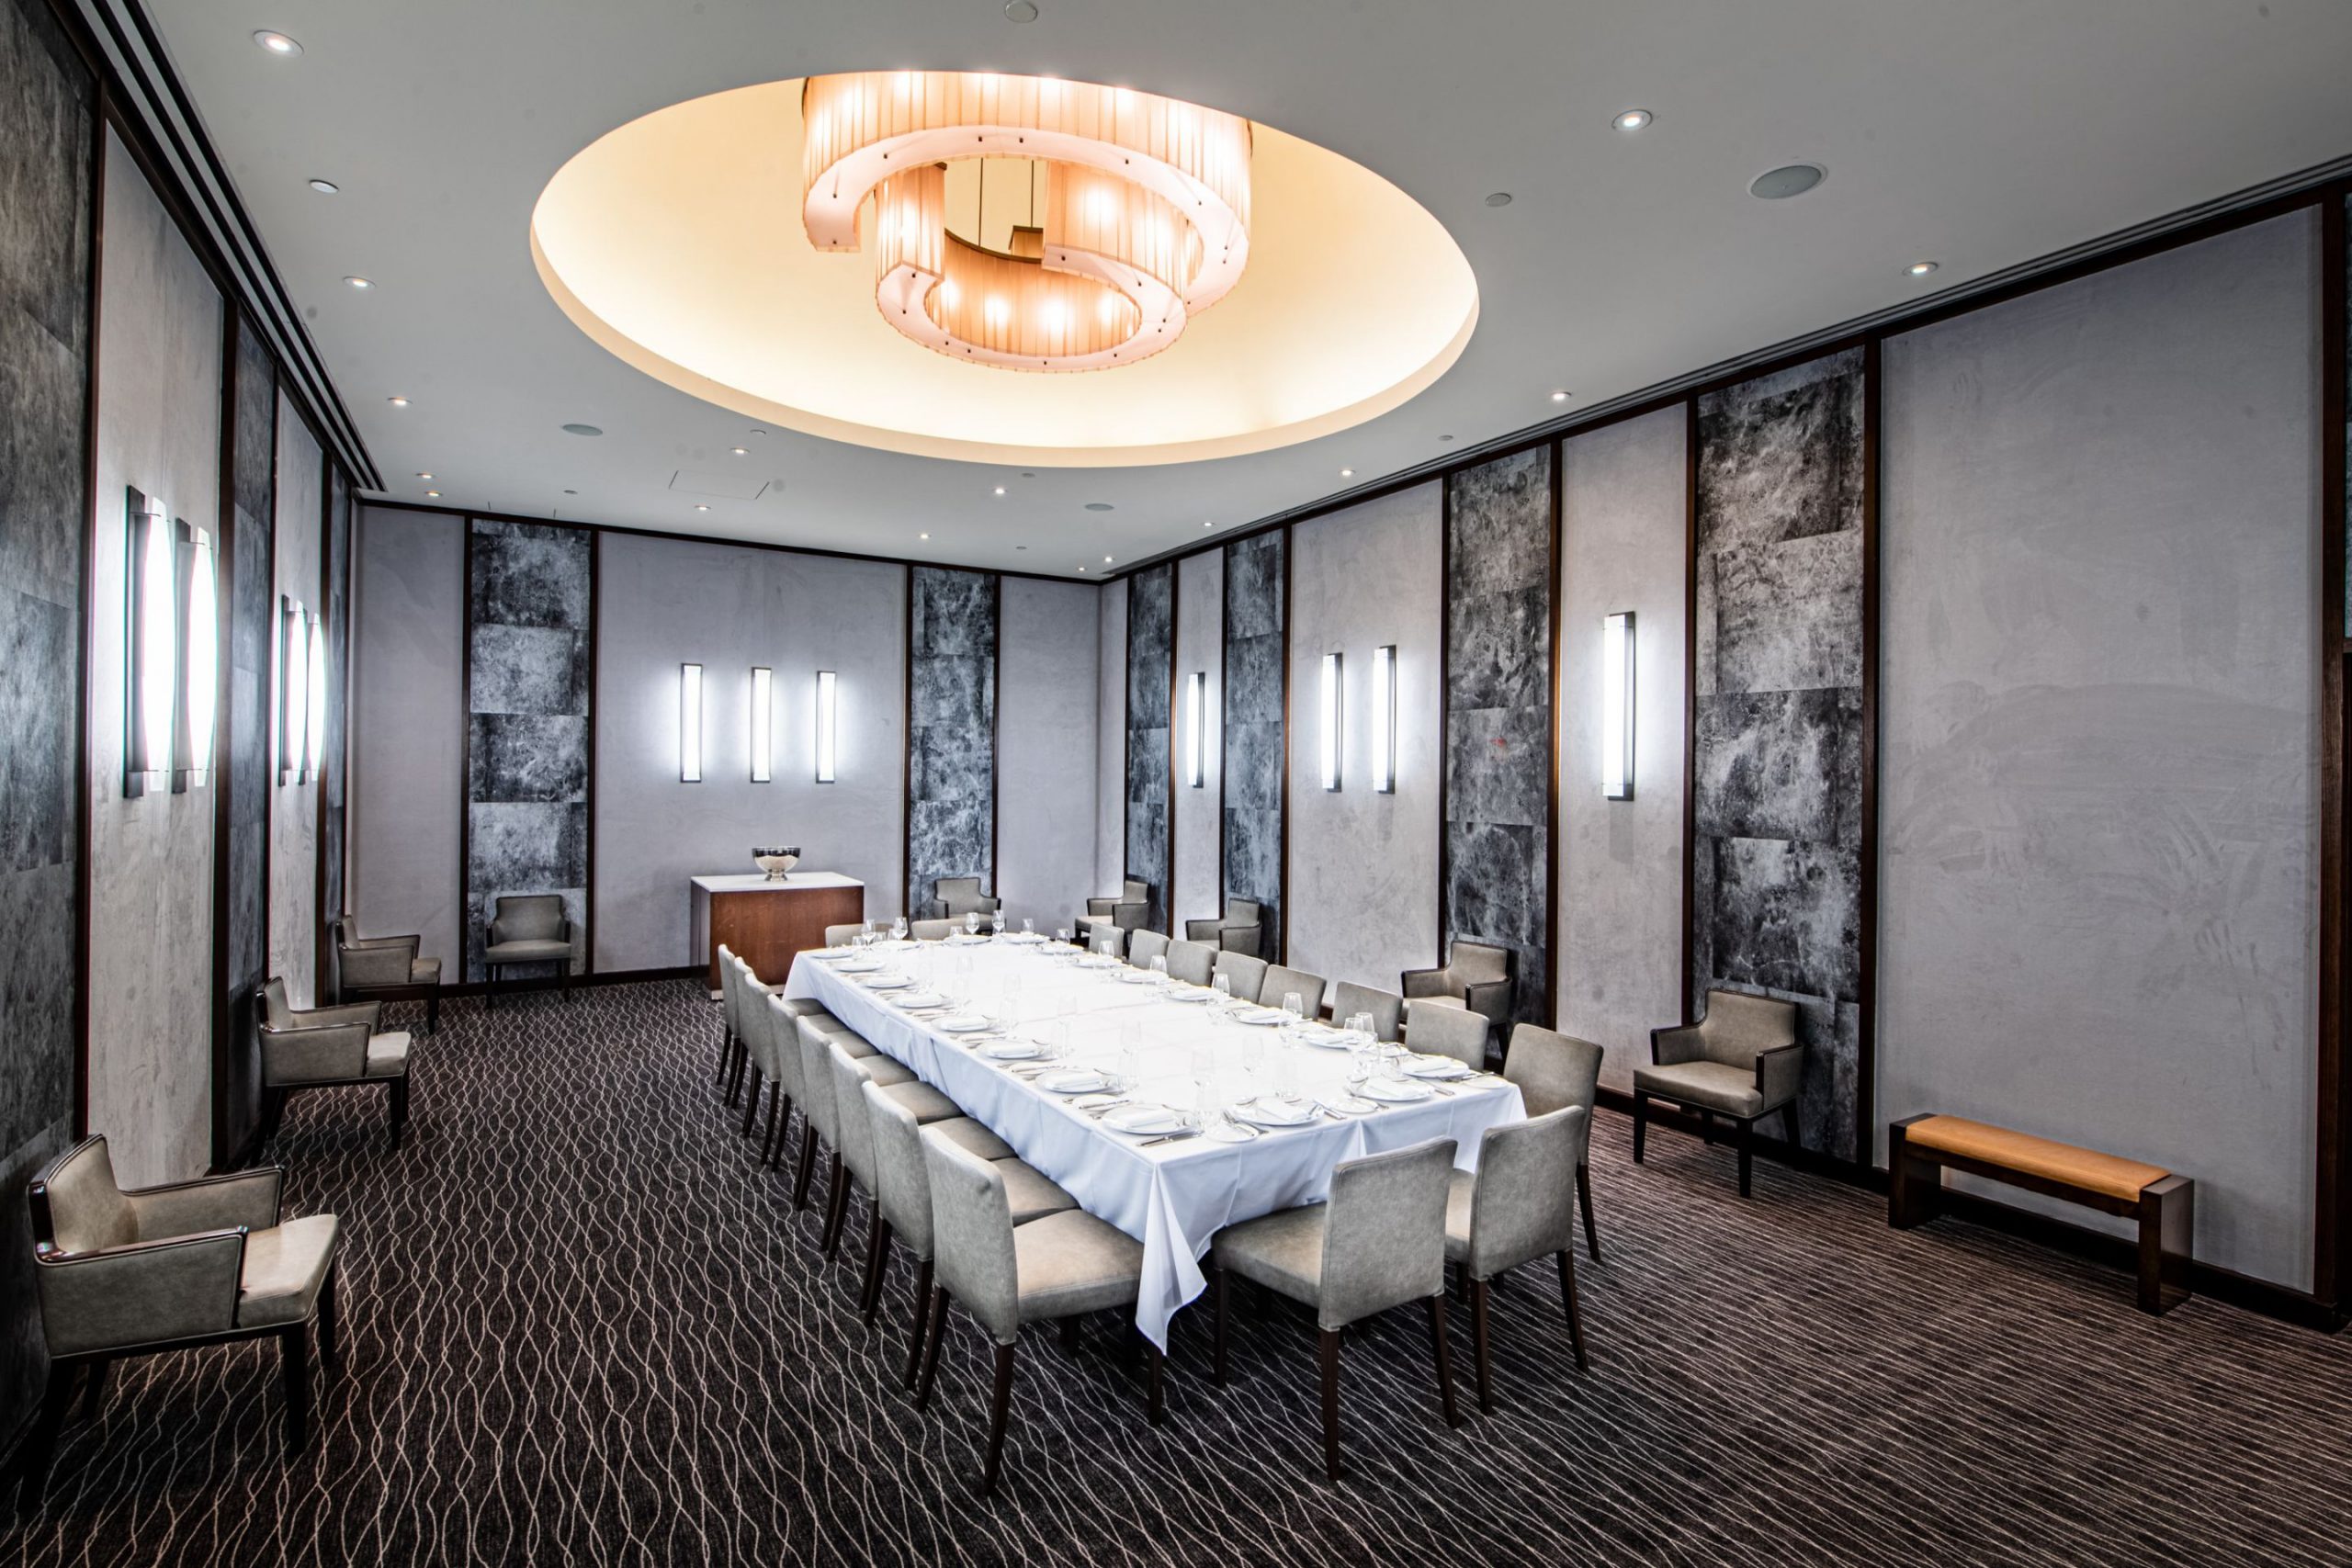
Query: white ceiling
x=1981, y=134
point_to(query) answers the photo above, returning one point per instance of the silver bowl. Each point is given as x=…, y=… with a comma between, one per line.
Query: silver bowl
x=776, y=866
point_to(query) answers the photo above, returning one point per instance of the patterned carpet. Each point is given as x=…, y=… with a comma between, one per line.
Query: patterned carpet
x=581, y=1328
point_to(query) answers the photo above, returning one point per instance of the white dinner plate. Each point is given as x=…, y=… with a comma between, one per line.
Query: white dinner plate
x=830, y=954
x=1071, y=1080
x=1436, y=1067
x=1139, y=978
x=857, y=966
x=1349, y=1105
x=1024, y=938
x=1277, y=1113
x=1325, y=1039
x=1146, y=1120
x=1183, y=992
x=888, y=983
x=1011, y=1050
x=1396, y=1091
x=1263, y=1018
x=916, y=1001
x=960, y=1024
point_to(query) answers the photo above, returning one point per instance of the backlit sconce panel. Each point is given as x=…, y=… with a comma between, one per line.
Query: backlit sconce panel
x=1384, y=718
x=1617, y=706
x=314, y=694
x=293, y=689
x=690, y=723
x=151, y=668
x=763, y=723
x=1195, y=761
x=200, y=641
x=1333, y=704
x=826, y=726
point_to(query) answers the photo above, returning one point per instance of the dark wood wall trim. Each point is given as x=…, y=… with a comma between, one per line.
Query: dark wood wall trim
x=1689, y=695
x=1444, y=704
x=1175, y=641
x=907, y=742
x=595, y=710
x=996, y=743
x=1282, y=935
x=1866, y=936
x=224, y=573
x=79, y=1025
x=1551, y=787
x=2332, y=1238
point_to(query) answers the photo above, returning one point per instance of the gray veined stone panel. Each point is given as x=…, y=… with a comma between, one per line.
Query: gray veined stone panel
x=530, y=670
x=530, y=574
x=1249, y=714
x=1151, y=644
x=1766, y=760
x=952, y=632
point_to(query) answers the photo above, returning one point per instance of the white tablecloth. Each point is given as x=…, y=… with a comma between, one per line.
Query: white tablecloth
x=1173, y=1197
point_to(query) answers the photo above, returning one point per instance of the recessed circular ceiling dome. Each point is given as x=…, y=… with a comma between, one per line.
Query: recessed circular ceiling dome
x=678, y=241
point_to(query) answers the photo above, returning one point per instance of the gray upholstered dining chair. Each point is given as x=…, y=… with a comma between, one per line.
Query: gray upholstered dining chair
x=842, y=935
x=328, y=1048
x=1245, y=975
x=1127, y=911
x=1476, y=975
x=820, y=1046
x=902, y=1195
x=732, y=1051
x=756, y=1018
x=953, y=898
x=528, y=927
x=1378, y=1243
x=1515, y=1209
x=1554, y=1072
x=813, y=1035
x=1143, y=946
x=1387, y=1007
x=384, y=968
x=1109, y=941
x=131, y=1273
x=1281, y=982
x=1241, y=929
x=1189, y=961
x=852, y=1075
x=1004, y=1275
x=1742, y=1061
x=934, y=931
x=1447, y=1031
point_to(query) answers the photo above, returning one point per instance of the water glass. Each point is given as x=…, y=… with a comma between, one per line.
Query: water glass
x=1159, y=970
x=1062, y=935
x=898, y=929
x=1223, y=987
x=1294, y=1005
x=971, y=922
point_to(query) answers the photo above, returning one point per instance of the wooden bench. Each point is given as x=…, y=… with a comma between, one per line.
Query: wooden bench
x=1921, y=1148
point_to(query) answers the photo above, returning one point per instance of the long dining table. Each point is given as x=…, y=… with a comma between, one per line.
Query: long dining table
x=1191, y=1056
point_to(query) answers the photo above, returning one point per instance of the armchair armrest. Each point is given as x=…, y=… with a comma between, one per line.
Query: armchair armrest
x=992, y=905
x=1678, y=1045
x=1129, y=917
x=1209, y=930
x=934, y=909
x=248, y=1198
x=1102, y=906
x=370, y=1013
x=326, y=1054
x=1249, y=939
x=142, y=1293
x=1423, y=983
x=371, y=943
x=1488, y=997
x=378, y=964
x=1779, y=1073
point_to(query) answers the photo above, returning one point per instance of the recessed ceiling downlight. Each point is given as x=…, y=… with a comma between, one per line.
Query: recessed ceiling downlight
x=1788, y=180
x=1100, y=506
x=1921, y=269
x=1020, y=10
x=326, y=187
x=278, y=43
x=1633, y=119
x=1498, y=199
x=581, y=430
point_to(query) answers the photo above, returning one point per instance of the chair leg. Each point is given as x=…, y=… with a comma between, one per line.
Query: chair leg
x=1584, y=1200
x=1575, y=1318
x=1216, y=1289
x=751, y=1104
x=1069, y=1334
x=931, y=1347
x=40, y=1447
x=1789, y=1119
x=808, y=1164
x=779, y=1116
x=1444, y=1360
x=399, y=1108
x=1154, y=1366
x=726, y=1053
x=432, y=1012
x=1746, y=1152
x=878, y=1264
x=330, y=1349
x=836, y=1205
x=1641, y=1121
x=294, y=1356
x=1479, y=1343
x=999, y=1405
x=1330, y=1356
x=94, y=1389
x=915, y=1335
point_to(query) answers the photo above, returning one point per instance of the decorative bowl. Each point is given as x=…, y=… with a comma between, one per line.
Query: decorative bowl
x=776, y=863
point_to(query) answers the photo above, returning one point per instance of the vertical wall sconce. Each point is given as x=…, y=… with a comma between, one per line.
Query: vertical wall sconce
x=293, y=689
x=1384, y=718
x=825, y=725
x=1331, y=714
x=1617, y=706
x=763, y=721
x=1195, y=764
x=690, y=723
x=200, y=661
x=314, y=692
x=150, y=671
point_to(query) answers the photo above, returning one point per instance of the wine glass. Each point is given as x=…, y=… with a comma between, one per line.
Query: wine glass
x=1294, y=1005
x=1159, y=970
x=971, y=922
x=898, y=929
x=1062, y=935
x=1028, y=928
x=1223, y=987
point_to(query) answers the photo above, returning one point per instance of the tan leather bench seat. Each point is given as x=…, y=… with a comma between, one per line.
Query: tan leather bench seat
x=2030, y=1156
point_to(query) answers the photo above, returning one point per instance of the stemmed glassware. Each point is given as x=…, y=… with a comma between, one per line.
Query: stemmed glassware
x=971, y=922
x=898, y=929
x=1223, y=986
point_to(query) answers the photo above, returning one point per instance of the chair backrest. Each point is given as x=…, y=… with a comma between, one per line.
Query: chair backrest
x=276, y=1010
x=1244, y=912
x=817, y=1081
x=933, y=930
x=783, y=1045
x=1145, y=946
x=527, y=917
x=1739, y=1027
x=856, y=1145
x=758, y=1019
x=84, y=1207
x=731, y=990
x=901, y=1185
x=971, y=1235
x=1387, y=1009
x=1191, y=961
x=1440, y=1031
x=1280, y=981
x=1383, y=1231
x=1469, y=962
x=841, y=936
x=1111, y=940
x=1246, y=974
x=1554, y=1071
x=1134, y=892
x=1523, y=1204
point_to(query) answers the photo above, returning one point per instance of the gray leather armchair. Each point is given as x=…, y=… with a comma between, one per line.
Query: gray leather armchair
x=1476, y=975
x=328, y=1048
x=953, y=898
x=1742, y=1061
x=1241, y=929
x=1126, y=912
x=132, y=1273
x=385, y=968
x=529, y=927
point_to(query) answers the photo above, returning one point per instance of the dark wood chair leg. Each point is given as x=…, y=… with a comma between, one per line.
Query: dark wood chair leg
x=915, y=1335
x=94, y=1389
x=1069, y=1334
x=808, y=1164
x=1217, y=1291
x=1584, y=1202
x=1789, y=1121
x=399, y=1108
x=40, y=1452
x=1479, y=1343
x=294, y=1355
x=1641, y=1121
x=836, y=1205
x=330, y=1347
x=878, y=1264
x=1329, y=1354
x=931, y=1347
x=432, y=1012
x=999, y=1405
x=1154, y=1406
x=1575, y=1318
x=1444, y=1360
x=1707, y=1128
x=751, y=1102
x=1747, y=1135
x=726, y=1053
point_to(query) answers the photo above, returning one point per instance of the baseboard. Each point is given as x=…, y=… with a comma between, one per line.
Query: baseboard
x=602, y=977
x=2283, y=1302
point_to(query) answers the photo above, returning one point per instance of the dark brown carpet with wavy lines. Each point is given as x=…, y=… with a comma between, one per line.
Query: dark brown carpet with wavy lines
x=580, y=1328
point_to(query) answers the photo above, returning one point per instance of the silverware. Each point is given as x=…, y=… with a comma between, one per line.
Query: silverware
x=1170, y=1137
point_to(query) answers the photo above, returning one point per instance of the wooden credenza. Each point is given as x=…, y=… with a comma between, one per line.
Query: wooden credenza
x=765, y=921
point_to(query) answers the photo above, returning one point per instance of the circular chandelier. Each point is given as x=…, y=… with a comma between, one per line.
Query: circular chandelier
x=1136, y=210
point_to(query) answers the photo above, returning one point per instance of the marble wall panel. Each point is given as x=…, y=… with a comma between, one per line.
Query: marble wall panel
x=529, y=596
x=1777, y=754
x=334, y=784
x=952, y=635
x=298, y=569
x=48, y=123
x=1498, y=716
x=1151, y=642
x=1250, y=722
